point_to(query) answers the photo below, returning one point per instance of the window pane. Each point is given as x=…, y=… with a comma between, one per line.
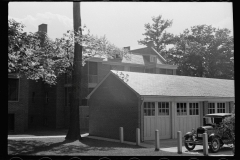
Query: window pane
x=167, y=105
x=13, y=89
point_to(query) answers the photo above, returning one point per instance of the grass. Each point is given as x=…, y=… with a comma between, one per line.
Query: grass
x=85, y=147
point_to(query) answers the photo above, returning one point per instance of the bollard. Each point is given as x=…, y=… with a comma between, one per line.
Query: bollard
x=205, y=144
x=157, y=141
x=121, y=134
x=179, y=144
x=137, y=136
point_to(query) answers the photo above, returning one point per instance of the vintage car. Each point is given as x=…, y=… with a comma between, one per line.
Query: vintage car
x=216, y=135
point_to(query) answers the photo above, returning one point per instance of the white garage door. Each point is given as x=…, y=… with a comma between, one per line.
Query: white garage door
x=188, y=117
x=157, y=116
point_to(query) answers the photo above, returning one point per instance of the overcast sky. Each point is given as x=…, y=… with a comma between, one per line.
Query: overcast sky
x=121, y=22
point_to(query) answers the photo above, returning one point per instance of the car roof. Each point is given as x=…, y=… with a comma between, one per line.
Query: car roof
x=218, y=115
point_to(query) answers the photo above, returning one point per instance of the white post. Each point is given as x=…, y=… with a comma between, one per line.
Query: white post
x=121, y=134
x=179, y=140
x=205, y=144
x=156, y=141
x=137, y=136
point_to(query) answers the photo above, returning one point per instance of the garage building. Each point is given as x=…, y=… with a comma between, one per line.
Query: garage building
x=169, y=103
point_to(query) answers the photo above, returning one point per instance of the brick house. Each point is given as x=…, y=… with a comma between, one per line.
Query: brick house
x=169, y=103
x=35, y=104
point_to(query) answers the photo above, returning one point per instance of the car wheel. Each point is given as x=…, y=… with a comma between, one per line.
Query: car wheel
x=215, y=145
x=189, y=146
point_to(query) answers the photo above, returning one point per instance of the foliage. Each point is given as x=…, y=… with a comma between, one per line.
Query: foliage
x=228, y=127
x=156, y=32
x=203, y=51
x=36, y=56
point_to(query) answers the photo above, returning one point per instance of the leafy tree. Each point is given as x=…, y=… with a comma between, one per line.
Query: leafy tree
x=156, y=32
x=37, y=57
x=203, y=51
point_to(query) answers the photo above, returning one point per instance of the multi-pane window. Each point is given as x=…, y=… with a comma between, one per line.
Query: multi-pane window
x=193, y=109
x=149, y=108
x=136, y=69
x=211, y=108
x=149, y=70
x=163, y=108
x=162, y=71
x=221, y=108
x=153, y=59
x=13, y=89
x=170, y=71
x=181, y=109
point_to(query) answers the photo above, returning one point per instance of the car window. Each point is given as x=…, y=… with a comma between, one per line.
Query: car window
x=217, y=120
x=208, y=120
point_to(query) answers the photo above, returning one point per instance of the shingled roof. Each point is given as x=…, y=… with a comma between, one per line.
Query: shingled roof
x=174, y=85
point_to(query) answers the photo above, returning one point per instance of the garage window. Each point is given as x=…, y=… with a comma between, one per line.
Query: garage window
x=221, y=108
x=193, y=109
x=163, y=108
x=181, y=109
x=149, y=108
x=211, y=108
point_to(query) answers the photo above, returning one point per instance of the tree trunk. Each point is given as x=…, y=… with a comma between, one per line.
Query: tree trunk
x=74, y=127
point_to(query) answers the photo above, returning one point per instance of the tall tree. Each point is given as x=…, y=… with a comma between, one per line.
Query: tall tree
x=74, y=127
x=46, y=60
x=204, y=51
x=156, y=32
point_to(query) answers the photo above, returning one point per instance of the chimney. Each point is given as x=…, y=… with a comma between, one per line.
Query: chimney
x=42, y=28
x=127, y=48
x=150, y=44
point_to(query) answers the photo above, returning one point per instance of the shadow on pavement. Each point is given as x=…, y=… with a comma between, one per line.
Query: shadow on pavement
x=64, y=147
x=44, y=132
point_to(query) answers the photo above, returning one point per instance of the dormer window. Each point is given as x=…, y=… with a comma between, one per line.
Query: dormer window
x=153, y=59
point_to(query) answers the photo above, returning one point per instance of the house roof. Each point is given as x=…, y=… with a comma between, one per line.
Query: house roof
x=174, y=85
x=150, y=51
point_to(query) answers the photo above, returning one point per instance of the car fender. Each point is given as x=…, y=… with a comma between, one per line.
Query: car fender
x=212, y=136
x=188, y=134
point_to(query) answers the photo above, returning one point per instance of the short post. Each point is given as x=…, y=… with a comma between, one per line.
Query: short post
x=121, y=134
x=205, y=144
x=137, y=136
x=157, y=141
x=179, y=142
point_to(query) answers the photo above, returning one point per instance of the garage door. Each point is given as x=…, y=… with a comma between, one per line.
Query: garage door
x=188, y=117
x=157, y=116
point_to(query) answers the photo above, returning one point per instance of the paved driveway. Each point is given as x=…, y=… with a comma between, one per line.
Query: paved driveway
x=171, y=146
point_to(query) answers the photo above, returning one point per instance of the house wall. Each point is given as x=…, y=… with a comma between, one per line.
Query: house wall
x=60, y=103
x=36, y=103
x=42, y=110
x=20, y=107
x=111, y=106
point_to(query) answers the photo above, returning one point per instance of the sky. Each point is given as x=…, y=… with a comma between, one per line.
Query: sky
x=121, y=22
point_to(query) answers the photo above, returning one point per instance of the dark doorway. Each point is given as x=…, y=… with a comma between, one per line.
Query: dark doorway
x=11, y=122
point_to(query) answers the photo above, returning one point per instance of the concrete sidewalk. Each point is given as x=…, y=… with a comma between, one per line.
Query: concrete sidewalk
x=170, y=145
